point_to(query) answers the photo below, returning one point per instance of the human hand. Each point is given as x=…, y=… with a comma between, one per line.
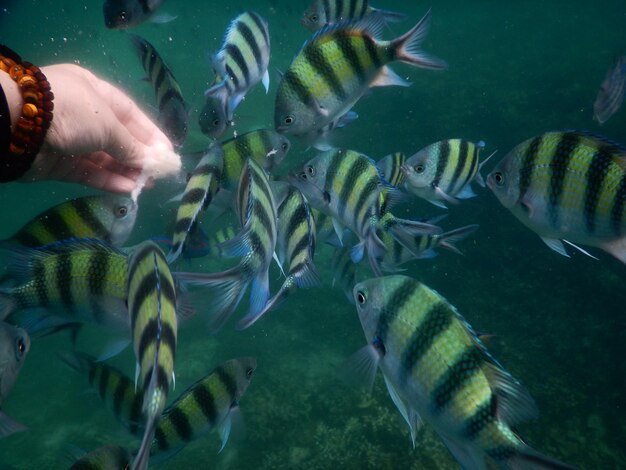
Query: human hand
x=98, y=136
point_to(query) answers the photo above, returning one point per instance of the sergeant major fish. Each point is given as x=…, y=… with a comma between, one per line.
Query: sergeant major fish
x=241, y=63
x=390, y=168
x=437, y=370
x=443, y=171
x=152, y=309
x=173, y=111
x=568, y=186
x=14, y=345
x=336, y=67
x=611, y=94
x=255, y=243
x=325, y=12
x=122, y=14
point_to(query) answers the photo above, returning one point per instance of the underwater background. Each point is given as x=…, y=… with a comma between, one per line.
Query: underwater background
x=516, y=69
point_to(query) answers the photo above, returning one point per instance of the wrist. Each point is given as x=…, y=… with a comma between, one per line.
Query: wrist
x=13, y=97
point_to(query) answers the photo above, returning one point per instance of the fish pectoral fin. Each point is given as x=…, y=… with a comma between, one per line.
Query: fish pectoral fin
x=280, y=265
x=411, y=416
x=556, y=245
x=445, y=196
x=616, y=248
x=339, y=229
x=162, y=18
x=356, y=254
x=387, y=77
x=582, y=250
x=359, y=370
x=224, y=431
x=137, y=370
x=9, y=426
x=466, y=192
x=266, y=80
x=113, y=348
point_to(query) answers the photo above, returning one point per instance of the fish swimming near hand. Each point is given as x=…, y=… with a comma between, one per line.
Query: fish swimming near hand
x=324, y=12
x=122, y=14
x=173, y=116
x=443, y=171
x=154, y=328
x=568, y=187
x=611, y=94
x=241, y=63
x=338, y=65
x=14, y=345
x=438, y=371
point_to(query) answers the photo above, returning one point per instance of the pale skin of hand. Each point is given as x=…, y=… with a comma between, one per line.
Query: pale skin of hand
x=98, y=137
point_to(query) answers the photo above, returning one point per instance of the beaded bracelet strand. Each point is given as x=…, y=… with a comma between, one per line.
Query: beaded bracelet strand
x=32, y=125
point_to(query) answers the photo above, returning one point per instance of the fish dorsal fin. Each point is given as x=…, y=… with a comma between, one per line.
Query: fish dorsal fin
x=513, y=402
x=619, y=150
x=373, y=25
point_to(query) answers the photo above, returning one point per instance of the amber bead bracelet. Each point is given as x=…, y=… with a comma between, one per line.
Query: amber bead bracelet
x=35, y=119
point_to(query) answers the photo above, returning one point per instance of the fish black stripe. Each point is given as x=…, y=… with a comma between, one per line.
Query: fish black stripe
x=84, y=211
x=235, y=54
x=233, y=78
x=160, y=437
x=527, y=166
x=63, y=274
x=183, y=225
x=346, y=46
x=298, y=218
x=169, y=95
x=118, y=396
x=145, y=289
x=293, y=270
x=205, y=401
x=264, y=218
x=162, y=380
x=397, y=301
x=452, y=381
x=292, y=80
x=352, y=175
x=302, y=245
x=150, y=335
x=327, y=10
x=352, y=11
x=99, y=265
x=28, y=239
x=596, y=174
x=443, y=153
x=159, y=79
x=315, y=57
x=372, y=50
x=260, y=24
x=152, y=60
x=563, y=153
x=135, y=413
x=368, y=189
x=248, y=36
x=227, y=381
x=138, y=257
x=363, y=9
x=339, y=12
x=332, y=171
x=181, y=424
x=435, y=322
x=57, y=226
x=103, y=381
x=460, y=166
x=484, y=414
x=617, y=211
x=194, y=196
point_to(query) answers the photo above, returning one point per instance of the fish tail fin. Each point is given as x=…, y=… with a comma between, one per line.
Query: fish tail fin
x=259, y=296
x=390, y=16
x=285, y=291
x=407, y=47
x=9, y=426
x=449, y=239
x=526, y=458
x=404, y=231
x=308, y=276
x=174, y=253
x=7, y=304
x=142, y=459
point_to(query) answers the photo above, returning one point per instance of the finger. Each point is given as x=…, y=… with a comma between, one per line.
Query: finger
x=101, y=171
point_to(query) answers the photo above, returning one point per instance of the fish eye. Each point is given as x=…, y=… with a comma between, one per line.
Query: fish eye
x=289, y=120
x=360, y=297
x=314, y=17
x=216, y=122
x=419, y=168
x=310, y=171
x=499, y=178
x=285, y=146
x=20, y=347
x=122, y=15
x=121, y=211
x=249, y=372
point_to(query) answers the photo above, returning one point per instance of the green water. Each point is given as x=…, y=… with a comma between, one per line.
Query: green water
x=516, y=69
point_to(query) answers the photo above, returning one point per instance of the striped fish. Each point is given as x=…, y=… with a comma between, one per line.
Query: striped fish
x=110, y=218
x=173, y=111
x=14, y=346
x=256, y=209
x=344, y=272
x=265, y=146
x=611, y=94
x=206, y=405
x=152, y=309
x=325, y=12
x=104, y=458
x=336, y=67
x=199, y=192
x=78, y=279
x=295, y=246
x=443, y=171
x=114, y=388
x=437, y=370
x=346, y=185
x=241, y=62
x=122, y=14
x=568, y=186
x=390, y=168
x=212, y=119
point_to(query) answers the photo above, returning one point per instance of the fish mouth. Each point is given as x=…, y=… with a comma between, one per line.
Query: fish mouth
x=405, y=169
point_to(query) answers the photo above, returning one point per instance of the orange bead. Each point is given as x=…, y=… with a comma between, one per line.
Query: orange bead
x=29, y=110
x=14, y=149
x=26, y=80
x=25, y=125
x=16, y=72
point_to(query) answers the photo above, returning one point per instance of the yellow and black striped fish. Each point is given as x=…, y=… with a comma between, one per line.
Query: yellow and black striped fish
x=265, y=146
x=325, y=12
x=437, y=370
x=443, y=171
x=240, y=64
x=336, y=67
x=255, y=243
x=173, y=111
x=80, y=280
x=152, y=309
x=295, y=246
x=110, y=218
x=568, y=186
x=390, y=168
x=104, y=458
x=206, y=405
x=114, y=388
x=201, y=188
